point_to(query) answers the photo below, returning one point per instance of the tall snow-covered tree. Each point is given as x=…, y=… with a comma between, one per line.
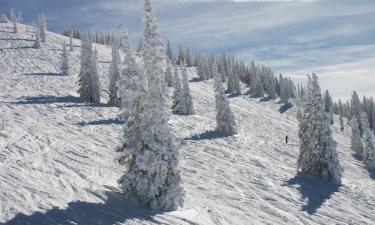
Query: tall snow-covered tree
x=65, y=62
x=149, y=154
x=183, y=101
x=89, y=86
x=225, y=120
x=71, y=47
x=169, y=75
x=341, y=118
x=15, y=27
x=43, y=27
x=131, y=79
x=369, y=145
x=114, y=76
x=356, y=142
x=169, y=51
x=356, y=110
x=318, y=155
x=37, y=43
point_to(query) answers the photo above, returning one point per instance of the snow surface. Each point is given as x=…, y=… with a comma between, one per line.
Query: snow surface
x=57, y=154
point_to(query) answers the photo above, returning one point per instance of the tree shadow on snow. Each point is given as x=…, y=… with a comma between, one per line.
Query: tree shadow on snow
x=195, y=79
x=208, y=135
x=114, y=210
x=358, y=157
x=16, y=39
x=50, y=99
x=233, y=95
x=371, y=173
x=285, y=107
x=101, y=122
x=314, y=189
x=43, y=74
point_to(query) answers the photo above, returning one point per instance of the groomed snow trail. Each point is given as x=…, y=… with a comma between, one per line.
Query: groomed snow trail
x=57, y=154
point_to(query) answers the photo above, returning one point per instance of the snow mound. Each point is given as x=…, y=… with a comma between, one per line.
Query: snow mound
x=57, y=154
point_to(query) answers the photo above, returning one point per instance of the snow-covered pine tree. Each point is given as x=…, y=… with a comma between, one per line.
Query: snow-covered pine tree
x=259, y=90
x=318, y=155
x=183, y=101
x=71, y=48
x=15, y=28
x=114, y=76
x=369, y=145
x=37, y=44
x=42, y=27
x=65, y=63
x=129, y=84
x=89, y=86
x=149, y=154
x=341, y=118
x=169, y=51
x=356, y=110
x=356, y=142
x=225, y=120
x=169, y=75
x=236, y=81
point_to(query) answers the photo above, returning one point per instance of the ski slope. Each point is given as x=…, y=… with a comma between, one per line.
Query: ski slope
x=57, y=154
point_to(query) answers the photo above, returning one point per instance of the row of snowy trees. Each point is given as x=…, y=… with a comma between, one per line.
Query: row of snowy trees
x=100, y=37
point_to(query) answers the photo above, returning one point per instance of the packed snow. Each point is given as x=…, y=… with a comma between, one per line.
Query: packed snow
x=57, y=155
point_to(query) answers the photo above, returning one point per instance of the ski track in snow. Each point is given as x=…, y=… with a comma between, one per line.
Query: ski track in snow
x=57, y=154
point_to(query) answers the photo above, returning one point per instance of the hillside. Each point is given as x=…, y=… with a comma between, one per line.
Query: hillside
x=57, y=154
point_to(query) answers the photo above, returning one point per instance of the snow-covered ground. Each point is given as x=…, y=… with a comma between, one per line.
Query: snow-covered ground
x=57, y=155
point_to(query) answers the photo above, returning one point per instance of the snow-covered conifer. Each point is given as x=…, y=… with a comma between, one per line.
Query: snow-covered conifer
x=71, y=48
x=149, y=154
x=37, y=43
x=183, y=101
x=169, y=75
x=341, y=118
x=89, y=86
x=65, y=62
x=356, y=142
x=15, y=28
x=42, y=27
x=114, y=75
x=129, y=84
x=225, y=120
x=318, y=155
x=369, y=145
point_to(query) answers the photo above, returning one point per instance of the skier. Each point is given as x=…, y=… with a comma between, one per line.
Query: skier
x=286, y=139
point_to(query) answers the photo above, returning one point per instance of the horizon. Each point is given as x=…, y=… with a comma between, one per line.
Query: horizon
x=335, y=39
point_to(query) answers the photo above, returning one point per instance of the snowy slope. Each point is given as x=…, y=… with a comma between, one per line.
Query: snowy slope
x=56, y=155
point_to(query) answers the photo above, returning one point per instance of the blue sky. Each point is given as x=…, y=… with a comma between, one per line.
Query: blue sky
x=293, y=37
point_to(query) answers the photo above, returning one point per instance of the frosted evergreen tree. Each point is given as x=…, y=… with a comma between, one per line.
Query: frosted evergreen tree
x=15, y=28
x=356, y=142
x=369, y=145
x=356, y=110
x=225, y=120
x=177, y=86
x=318, y=155
x=183, y=101
x=65, y=63
x=341, y=118
x=130, y=83
x=259, y=91
x=169, y=51
x=114, y=76
x=152, y=174
x=169, y=75
x=71, y=48
x=89, y=86
x=236, y=82
x=37, y=44
x=42, y=27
